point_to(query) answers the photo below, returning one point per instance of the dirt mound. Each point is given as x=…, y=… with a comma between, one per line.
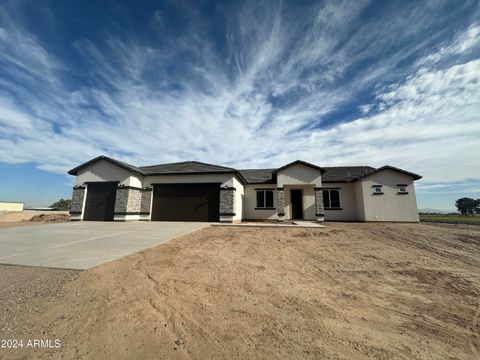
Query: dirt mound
x=27, y=215
x=50, y=218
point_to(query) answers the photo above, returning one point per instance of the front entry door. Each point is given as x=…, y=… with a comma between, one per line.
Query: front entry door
x=297, y=204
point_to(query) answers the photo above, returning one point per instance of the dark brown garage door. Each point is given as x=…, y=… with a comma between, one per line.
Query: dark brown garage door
x=186, y=202
x=100, y=203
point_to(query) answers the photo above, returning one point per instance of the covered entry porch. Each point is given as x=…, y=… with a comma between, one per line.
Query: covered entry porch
x=299, y=192
x=300, y=202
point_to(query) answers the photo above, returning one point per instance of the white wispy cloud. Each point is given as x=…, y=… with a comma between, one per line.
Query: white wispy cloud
x=262, y=102
x=465, y=42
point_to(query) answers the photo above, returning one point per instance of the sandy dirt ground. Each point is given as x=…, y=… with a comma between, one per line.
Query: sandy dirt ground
x=348, y=291
x=23, y=291
x=32, y=217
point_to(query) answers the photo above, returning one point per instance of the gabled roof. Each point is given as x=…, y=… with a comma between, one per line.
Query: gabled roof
x=330, y=174
x=393, y=168
x=121, y=164
x=300, y=162
x=185, y=167
x=346, y=173
x=353, y=173
x=248, y=176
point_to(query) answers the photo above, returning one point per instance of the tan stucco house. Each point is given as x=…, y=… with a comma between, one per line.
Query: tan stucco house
x=108, y=189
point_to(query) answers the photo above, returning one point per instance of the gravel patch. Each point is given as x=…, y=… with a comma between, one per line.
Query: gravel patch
x=23, y=290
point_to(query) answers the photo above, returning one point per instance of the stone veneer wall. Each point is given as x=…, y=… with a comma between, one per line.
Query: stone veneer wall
x=319, y=210
x=146, y=200
x=128, y=200
x=121, y=200
x=227, y=201
x=78, y=196
x=280, y=202
x=134, y=200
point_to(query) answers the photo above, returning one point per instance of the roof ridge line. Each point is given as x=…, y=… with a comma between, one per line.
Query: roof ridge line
x=188, y=161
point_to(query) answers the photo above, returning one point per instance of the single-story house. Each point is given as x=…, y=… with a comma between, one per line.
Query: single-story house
x=108, y=189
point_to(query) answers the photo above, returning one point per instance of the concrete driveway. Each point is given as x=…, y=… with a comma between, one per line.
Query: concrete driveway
x=82, y=245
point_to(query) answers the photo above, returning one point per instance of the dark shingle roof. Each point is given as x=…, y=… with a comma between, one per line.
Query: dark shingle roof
x=388, y=167
x=346, y=173
x=269, y=176
x=250, y=176
x=301, y=162
x=259, y=176
x=109, y=159
x=331, y=174
x=185, y=167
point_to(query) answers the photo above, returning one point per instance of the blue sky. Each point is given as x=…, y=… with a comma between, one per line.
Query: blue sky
x=243, y=84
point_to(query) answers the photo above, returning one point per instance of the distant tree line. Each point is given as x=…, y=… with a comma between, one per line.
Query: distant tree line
x=62, y=205
x=468, y=206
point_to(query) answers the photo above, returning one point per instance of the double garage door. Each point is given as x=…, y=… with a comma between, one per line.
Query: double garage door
x=171, y=202
x=186, y=202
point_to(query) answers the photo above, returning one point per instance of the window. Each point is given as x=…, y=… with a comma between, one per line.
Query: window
x=402, y=189
x=377, y=190
x=264, y=199
x=331, y=199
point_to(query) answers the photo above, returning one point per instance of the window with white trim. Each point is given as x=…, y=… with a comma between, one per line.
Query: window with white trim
x=331, y=199
x=264, y=199
x=402, y=189
x=377, y=189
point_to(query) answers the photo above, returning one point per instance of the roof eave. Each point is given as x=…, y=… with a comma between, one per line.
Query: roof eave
x=75, y=170
x=187, y=173
x=300, y=162
x=240, y=176
x=242, y=179
x=337, y=181
x=261, y=182
x=393, y=168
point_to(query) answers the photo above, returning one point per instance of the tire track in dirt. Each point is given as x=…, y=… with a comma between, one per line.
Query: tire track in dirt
x=389, y=237
x=475, y=345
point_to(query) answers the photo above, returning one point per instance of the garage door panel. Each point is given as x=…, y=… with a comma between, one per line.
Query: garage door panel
x=100, y=202
x=186, y=202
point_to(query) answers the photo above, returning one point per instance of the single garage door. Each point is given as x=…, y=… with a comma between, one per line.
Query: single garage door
x=100, y=202
x=186, y=202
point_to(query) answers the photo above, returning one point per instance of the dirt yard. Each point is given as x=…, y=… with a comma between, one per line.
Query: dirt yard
x=23, y=291
x=348, y=291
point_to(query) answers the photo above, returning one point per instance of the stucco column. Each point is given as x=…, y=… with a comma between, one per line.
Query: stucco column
x=280, y=203
x=227, y=204
x=319, y=210
x=78, y=201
